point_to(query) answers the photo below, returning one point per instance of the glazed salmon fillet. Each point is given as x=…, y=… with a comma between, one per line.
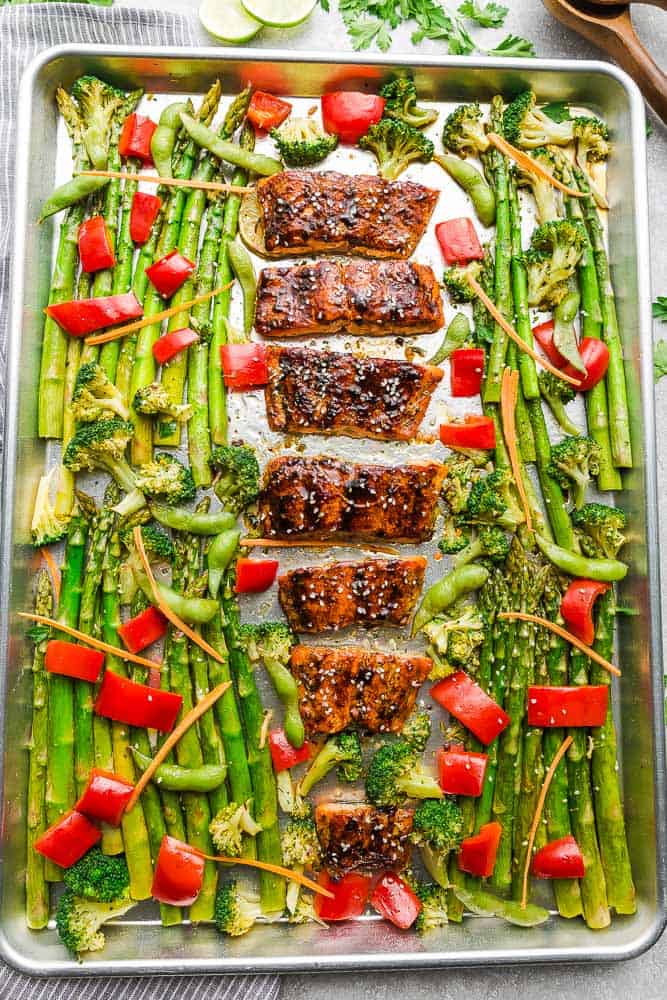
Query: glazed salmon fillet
x=357, y=837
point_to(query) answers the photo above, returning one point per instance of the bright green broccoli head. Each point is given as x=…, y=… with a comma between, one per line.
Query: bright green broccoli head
x=417, y=730
x=454, y=643
x=302, y=143
x=494, y=544
x=395, y=146
x=455, y=537
x=235, y=913
x=300, y=844
x=456, y=280
x=95, y=395
x=491, y=501
x=270, y=641
x=551, y=259
x=228, y=827
x=461, y=474
x=401, y=103
x=526, y=126
x=157, y=543
x=592, y=138
x=573, y=461
x=464, y=132
x=438, y=823
x=166, y=479
x=78, y=921
x=547, y=198
x=237, y=476
x=153, y=400
x=99, y=104
x=433, y=913
x=47, y=526
x=98, y=876
x=600, y=530
x=101, y=445
x=341, y=751
x=395, y=774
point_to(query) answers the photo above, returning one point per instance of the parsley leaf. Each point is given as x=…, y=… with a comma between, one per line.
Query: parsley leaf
x=659, y=360
x=660, y=308
x=491, y=15
x=558, y=111
x=513, y=46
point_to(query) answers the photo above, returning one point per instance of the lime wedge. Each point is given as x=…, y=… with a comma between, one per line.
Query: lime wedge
x=280, y=13
x=227, y=21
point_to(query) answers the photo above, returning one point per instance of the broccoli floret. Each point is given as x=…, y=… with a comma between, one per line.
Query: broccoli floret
x=557, y=393
x=98, y=876
x=101, y=445
x=528, y=127
x=302, y=143
x=456, y=280
x=78, y=921
x=270, y=642
x=455, y=537
x=417, y=731
x=300, y=845
x=491, y=543
x=433, y=913
x=228, y=826
x=573, y=461
x=453, y=643
x=401, y=103
x=456, y=486
x=437, y=829
x=166, y=479
x=153, y=400
x=237, y=476
x=304, y=911
x=342, y=751
x=551, y=259
x=47, y=527
x=600, y=530
x=235, y=913
x=545, y=194
x=99, y=103
x=395, y=774
x=95, y=395
x=592, y=138
x=159, y=549
x=396, y=145
x=464, y=132
x=491, y=501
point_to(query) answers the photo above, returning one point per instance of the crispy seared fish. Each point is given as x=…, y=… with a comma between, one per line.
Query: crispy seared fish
x=305, y=211
x=324, y=392
x=349, y=686
x=340, y=594
x=364, y=296
x=357, y=837
x=322, y=498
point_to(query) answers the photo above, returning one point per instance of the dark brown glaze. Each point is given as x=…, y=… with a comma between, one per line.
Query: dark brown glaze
x=312, y=212
x=359, y=837
x=346, y=685
x=340, y=594
x=326, y=498
x=372, y=297
x=324, y=392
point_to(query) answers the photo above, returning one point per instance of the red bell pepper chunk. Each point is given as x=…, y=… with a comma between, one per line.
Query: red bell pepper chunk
x=395, y=901
x=135, y=137
x=283, y=754
x=467, y=370
x=585, y=705
x=478, y=854
x=137, y=704
x=266, y=111
x=461, y=772
x=145, y=208
x=169, y=273
x=68, y=839
x=80, y=317
x=143, y=630
x=244, y=366
x=349, y=114
x=458, y=241
x=171, y=344
x=463, y=698
x=595, y=356
x=559, y=859
x=254, y=576
x=105, y=796
x=179, y=873
x=73, y=661
x=576, y=607
x=95, y=248
x=473, y=432
x=350, y=894
x=544, y=335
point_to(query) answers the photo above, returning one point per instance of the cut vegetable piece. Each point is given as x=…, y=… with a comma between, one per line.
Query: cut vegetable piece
x=559, y=859
x=576, y=607
x=179, y=873
x=463, y=698
x=349, y=114
x=473, y=432
x=254, y=576
x=144, y=212
x=478, y=854
x=73, y=661
x=283, y=754
x=509, y=392
x=244, y=366
x=567, y=707
x=347, y=896
x=279, y=13
x=461, y=772
x=90, y=641
x=459, y=241
x=395, y=901
x=227, y=21
x=68, y=839
x=136, y=704
x=266, y=111
x=105, y=797
x=81, y=316
x=135, y=137
x=143, y=630
x=171, y=344
x=466, y=371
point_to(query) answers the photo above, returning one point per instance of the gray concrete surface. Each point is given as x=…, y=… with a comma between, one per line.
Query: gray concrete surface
x=646, y=977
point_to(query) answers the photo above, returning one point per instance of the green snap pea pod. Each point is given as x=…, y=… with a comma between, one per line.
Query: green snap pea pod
x=457, y=333
x=164, y=137
x=459, y=582
x=174, y=778
x=181, y=519
x=605, y=570
x=71, y=192
x=485, y=904
x=288, y=692
x=565, y=339
x=229, y=151
x=219, y=556
x=192, y=610
x=473, y=183
x=244, y=272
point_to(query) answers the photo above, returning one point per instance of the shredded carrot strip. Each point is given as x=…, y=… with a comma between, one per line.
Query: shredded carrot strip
x=277, y=543
x=167, y=181
x=560, y=753
x=511, y=332
x=165, y=609
x=54, y=572
x=266, y=867
x=188, y=720
x=509, y=391
x=564, y=634
x=528, y=163
x=121, y=331
x=88, y=640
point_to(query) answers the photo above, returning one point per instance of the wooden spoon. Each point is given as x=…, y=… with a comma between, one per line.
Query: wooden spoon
x=610, y=27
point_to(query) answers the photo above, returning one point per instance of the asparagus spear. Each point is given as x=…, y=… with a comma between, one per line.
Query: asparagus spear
x=529, y=384
x=36, y=886
x=502, y=292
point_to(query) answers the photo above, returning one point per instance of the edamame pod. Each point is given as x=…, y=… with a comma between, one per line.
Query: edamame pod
x=174, y=778
x=473, y=183
x=605, y=570
x=164, y=137
x=459, y=582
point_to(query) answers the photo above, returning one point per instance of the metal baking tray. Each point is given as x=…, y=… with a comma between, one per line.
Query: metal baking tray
x=140, y=945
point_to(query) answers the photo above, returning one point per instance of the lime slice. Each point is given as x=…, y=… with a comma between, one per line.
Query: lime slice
x=227, y=21
x=280, y=13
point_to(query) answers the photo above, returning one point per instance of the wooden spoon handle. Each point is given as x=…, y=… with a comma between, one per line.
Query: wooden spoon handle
x=635, y=59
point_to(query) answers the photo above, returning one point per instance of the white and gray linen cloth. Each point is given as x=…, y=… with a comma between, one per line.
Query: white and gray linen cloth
x=25, y=31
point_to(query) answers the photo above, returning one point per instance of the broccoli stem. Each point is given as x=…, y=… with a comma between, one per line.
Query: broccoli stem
x=502, y=288
x=527, y=367
x=36, y=886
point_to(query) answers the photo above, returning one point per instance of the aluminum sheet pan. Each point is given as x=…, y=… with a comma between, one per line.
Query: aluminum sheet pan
x=139, y=945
